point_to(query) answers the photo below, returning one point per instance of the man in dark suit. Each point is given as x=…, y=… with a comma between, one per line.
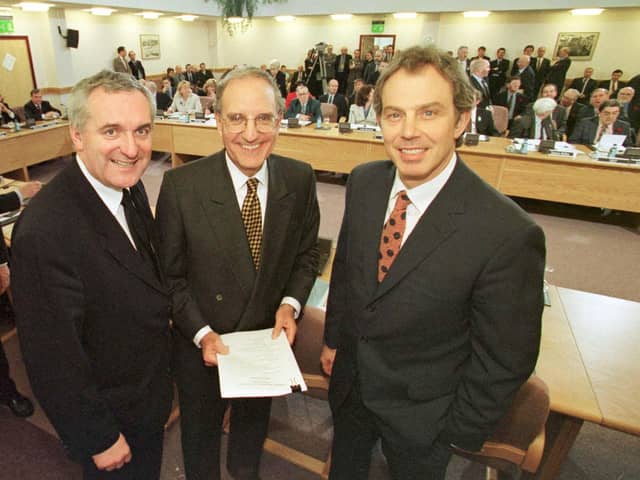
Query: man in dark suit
x=40, y=109
x=332, y=96
x=585, y=85
x=559, y=115
x=463, y=59
x=498, y=74
x=527, y=52
x=19, y=405
x=527, y=77
x=588, y=131
x=342, y=68
x=629, y=111
x=479, y=71
x=537, y=123
x=511, y=98
x=91, y=306
x=541, y=67
x=614, y=84
x=304, y=107
x=597, y=98
x=227, y=275
x=572, y=108
x=203, y=75
x=418, y=334
x=558, y=71
x=481, y=53
x=481, y=118
x=137, y=70
x=372, y=70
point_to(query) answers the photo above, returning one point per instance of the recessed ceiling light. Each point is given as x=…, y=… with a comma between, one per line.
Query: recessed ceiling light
x=405, y=15
x=103, y=12
x=285, y=18
x=476, y=14
x=187, y=18
x=34, y=6
x=150, y=15
x=587, y=11
x=341, y=16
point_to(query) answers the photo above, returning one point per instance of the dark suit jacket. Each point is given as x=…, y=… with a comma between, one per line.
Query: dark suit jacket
x=163, y=100
x=206, y=255
x=31, y=111
x=486, y=95
x=370, y=75
x=313, y=109
x=525, y=127
x=528, y=82
x=540, y=72
x=201, y=77
x=191, y=78
x=484, y=123
x=498, y=75
x=559, y=117
x=347, y=66
x=579, y=84
x=503, y=99
x=558, y=72
x=5, y=117
x=440, y=347
x=93, y=317
x=575, y=114
x=339, y=101
x=137, y=70
x=607, y=83
x=8, y=203
x=586, y=130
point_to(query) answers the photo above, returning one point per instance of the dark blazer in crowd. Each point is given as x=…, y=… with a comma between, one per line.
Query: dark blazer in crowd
x=606, y=84
x=5, y=116
x=559, y=117
x=484, y=122
x=343, y=76
x=31, y=111
x=163, y=101
x=525, y=127
x=587, y=129
x=558, y=73
x=528, y=83
x=540, y=71
x=202, y=77
x=313, y=109
x=339, y=101
x=585, y=87
x=521, y=102
x=575, y=115
x=515, y=68
x=497, y=75
x=93, y=318
x=137, y=70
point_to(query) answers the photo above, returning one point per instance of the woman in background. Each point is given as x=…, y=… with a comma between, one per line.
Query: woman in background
x=363, y=112
x=185, y=101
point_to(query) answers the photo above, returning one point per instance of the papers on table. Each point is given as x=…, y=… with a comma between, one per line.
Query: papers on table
x=607, y=141
x=258, y=366
x=365, y=126
x=561, y=149
x=303, y=123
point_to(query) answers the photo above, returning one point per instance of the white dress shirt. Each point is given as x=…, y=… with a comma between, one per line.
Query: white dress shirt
x=421, y=197
x=239, y=181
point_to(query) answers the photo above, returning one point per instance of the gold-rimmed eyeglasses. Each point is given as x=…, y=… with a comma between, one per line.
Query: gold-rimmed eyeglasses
x=237, y=122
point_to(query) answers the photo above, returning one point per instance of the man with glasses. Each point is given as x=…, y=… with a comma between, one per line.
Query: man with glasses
x=238, y=245
x=304, y=106
x=589, y=131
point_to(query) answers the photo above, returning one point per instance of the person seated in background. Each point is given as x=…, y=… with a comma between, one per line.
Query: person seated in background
x=209, y=90
x=163, y=101
x=527, y=51
x=481, y=118
x=167, y=87
x=358, y=83
x=559, y=113
x=479, y=73
x=363, y=112
x=303, y=107
x=279, y=77
x=537, y=122
x=185, y=101
x=39, y=109
x=589, y=131
x=585, y=85
x=6, y=114
x=190, y=74
x=512, y=98
x=332, y=96
x=171, y=75
x=614, y=84
x=573, y=109
x=203, y=75
x=179, y=76
x=629, y=112
x=598, y=97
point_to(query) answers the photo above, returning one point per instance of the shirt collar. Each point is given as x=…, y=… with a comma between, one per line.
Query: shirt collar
x=111, y=197
x=239, y=179
x=423, y=195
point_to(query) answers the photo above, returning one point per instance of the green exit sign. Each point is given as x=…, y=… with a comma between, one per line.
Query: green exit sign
x=377, y=26
x=6, y=24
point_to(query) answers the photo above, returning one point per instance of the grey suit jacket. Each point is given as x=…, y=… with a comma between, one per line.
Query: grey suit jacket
x=441, y=346
x=206, y=256
x=119, y=66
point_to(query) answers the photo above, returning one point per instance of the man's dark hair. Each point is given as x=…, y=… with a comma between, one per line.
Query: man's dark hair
x=609, y=103
x=617, y=70
x=34, y=91
x=121, y=49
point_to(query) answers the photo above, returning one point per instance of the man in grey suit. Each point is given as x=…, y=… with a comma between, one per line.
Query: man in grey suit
x=229, y=273
x=120, y=64
x=433, y=320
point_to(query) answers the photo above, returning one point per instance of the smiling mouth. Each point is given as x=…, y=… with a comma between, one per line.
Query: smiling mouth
x=412, y=151
x=251, y=146
x=122, y=163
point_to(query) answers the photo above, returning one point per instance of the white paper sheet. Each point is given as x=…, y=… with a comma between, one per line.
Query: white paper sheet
x=258, y=366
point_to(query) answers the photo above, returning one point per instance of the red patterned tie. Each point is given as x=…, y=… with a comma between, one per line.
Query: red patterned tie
x=392, y=234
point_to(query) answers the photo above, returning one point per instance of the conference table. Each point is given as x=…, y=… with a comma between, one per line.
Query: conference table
x=578, y=181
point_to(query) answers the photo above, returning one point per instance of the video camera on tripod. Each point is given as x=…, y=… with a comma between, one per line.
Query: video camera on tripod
x=317, y=81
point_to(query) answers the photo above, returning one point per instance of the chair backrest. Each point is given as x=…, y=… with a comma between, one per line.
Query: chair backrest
x=329, y=111
x=19, y=111
x=518, y=439
x=206, y=102
x=500, y=118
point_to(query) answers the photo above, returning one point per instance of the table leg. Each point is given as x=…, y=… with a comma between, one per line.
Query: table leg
x=561, y=433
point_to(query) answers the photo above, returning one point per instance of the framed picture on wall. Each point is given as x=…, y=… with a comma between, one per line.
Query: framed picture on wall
x=150, y=47
x=581, y=44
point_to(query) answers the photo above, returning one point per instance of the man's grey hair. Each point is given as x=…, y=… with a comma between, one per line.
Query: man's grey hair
x=544, y=105
x=572, y=93
x=241, y=72
x=274, y=64
x=477, y=64
x=109, y=81
x=151, y=86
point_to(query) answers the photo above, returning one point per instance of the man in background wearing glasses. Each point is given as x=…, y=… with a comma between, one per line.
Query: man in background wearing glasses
x=238, y=244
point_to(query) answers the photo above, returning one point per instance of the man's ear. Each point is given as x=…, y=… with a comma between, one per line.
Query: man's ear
x=76, y=138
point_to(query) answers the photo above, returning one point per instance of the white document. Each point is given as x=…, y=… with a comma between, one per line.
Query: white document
x=8, y=62
x=608, y=140
x=258, y=366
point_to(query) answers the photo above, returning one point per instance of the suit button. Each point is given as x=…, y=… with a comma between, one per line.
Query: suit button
x=219, y=297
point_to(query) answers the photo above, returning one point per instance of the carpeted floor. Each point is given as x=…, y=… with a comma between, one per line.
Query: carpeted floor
x=585, y=251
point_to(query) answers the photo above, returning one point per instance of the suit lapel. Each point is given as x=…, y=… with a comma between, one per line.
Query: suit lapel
x=220, y=204
x=114, y=239
x=433, y=228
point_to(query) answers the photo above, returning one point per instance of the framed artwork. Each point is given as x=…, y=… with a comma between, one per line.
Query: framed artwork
x=581, y=44
x=150, y=47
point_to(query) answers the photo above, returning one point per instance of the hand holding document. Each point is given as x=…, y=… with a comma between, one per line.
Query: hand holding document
x=258, y=366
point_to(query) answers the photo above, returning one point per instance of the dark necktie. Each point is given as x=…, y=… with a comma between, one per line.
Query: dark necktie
x=252, y=219
x=139, y=230
x=392, y=233
x=330, y=98
x=512, y=104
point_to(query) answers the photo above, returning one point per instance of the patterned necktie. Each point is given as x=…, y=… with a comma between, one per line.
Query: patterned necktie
x=392, y=234
x=252, y=219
